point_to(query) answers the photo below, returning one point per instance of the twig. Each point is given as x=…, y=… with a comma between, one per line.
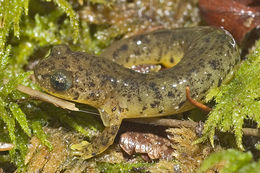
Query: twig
x=48, y=98
x=251, y=132
x=166, y=122
x=5, y=146
x=187, y=124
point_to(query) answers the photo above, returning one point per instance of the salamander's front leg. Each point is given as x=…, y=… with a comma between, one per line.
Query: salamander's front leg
x=100, y=143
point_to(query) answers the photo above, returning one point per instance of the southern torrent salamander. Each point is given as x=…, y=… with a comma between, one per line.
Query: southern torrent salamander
x=198, y=57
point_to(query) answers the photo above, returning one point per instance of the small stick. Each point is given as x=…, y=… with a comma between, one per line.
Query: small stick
x=196, y=103
x=251, y=132
x=5, y=146
x=48, y=98
x=166, y=122
x=185, y=123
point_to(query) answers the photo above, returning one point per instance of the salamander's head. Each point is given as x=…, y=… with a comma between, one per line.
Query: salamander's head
x=62, y=74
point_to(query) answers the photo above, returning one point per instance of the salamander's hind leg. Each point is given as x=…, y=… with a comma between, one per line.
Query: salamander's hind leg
x=100, y=143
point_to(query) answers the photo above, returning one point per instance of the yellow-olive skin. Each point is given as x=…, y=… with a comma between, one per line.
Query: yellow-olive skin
x=198, y=57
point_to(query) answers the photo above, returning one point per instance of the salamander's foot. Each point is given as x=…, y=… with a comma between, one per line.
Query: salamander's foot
x=87, y=150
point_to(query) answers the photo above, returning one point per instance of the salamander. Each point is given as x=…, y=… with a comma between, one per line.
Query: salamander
x=198, y=57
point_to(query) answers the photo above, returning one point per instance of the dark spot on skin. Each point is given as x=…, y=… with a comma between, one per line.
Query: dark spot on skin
x=104, y=141
x=152, y=85
x=152, y=105
x=91, y=84
x=92, y=95
x=192, y=70
x=155, y=104
x=230, y=46
x=88, y=74
x=124, y=47
x=156, y=91
x=114, y=130
x=103, y=79
x=209, y=76
x=214, y=64
x=158, y=95
x=194, y=92
x=205, y=90
x=171, y=60
x=45, y=76
x=237, y=60
x=62, y=57
x=207, y=39
x=202, y=63
x=193, y=95
x=114, y=108
x=170, y=94
x=81, y=89
x=219, y=82
x=80, y=68
x=160, y=54
x=121, y=109
x=127, y=59
x=228, y=70
x=137, y=52
x=200, y=51
x=115, y=54
x=181, y=104
x=66, y=66
x=76, y=96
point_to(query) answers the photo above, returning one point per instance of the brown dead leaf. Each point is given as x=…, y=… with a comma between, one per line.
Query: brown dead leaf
x=239, y=17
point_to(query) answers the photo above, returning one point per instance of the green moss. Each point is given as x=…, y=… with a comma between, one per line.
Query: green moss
x=237, y=101
x=11, y=11
x=80, y=125
x=232, y=161
x=29, y=35
x=38, y=131
x=20, y=118
x=66, y=7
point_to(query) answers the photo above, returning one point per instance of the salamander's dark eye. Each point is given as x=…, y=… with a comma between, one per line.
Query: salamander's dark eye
x=61, y=80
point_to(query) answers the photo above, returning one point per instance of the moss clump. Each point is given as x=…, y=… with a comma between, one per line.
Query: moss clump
x=12, y=59
x=230, y=161
x=237, y=101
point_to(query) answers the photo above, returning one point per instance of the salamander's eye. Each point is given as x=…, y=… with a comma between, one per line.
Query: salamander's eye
x=61, y=80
